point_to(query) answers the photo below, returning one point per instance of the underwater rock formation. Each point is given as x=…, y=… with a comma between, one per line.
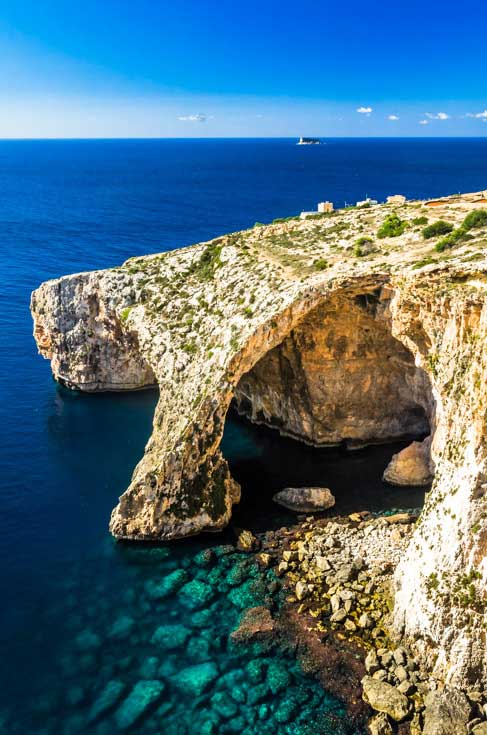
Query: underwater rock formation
x=309, y=337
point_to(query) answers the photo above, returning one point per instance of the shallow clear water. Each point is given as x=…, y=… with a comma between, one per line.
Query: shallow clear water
x=77, y=205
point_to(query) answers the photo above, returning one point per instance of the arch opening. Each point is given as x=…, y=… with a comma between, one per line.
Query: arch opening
x=340, y=381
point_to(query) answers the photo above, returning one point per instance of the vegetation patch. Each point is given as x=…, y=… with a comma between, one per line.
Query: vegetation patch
x=393, y=226
x=437, y=228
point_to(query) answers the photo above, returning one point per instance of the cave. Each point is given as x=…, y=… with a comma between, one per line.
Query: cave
x=330, y=406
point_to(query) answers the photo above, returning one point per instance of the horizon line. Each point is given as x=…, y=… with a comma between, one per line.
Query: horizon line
x=246, y=137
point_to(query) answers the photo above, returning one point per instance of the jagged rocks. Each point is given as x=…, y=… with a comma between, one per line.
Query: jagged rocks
x=194, y=680
x=446, y=713
x=385, y=698
x=305, y=499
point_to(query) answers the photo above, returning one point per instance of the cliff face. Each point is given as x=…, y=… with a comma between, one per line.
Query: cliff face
x=324, y=345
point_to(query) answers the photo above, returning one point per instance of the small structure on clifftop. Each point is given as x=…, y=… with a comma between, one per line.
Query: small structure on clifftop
x=396, y=199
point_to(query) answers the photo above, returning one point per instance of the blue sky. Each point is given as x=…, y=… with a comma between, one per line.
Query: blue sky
x=205, y=68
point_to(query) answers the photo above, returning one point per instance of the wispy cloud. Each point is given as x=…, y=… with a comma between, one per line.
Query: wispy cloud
x=437, y=115
x=393, y=117
x=364, y=110
x=193, y=118
x=478, y=115
x=424, y=122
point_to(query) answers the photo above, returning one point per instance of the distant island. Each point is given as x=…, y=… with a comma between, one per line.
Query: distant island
x=347, y=327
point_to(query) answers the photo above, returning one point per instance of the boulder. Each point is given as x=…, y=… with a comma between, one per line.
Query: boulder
x=446, y=713
x=194, y=680
x=380, y=725
x=410, y=466
x=255, y=624
x=107, y=699
x=383, y=697
x=480, y=729
x=143, y=695
x=305, y=499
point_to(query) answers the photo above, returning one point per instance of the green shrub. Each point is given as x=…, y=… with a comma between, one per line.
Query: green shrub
x=124, y=314
x=452, y=239
x=393, y=226
x=475, y=219
x=321, y=264
x=420, y=220
x=437, y=228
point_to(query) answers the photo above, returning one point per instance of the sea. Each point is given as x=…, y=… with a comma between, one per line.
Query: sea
x=100, y=637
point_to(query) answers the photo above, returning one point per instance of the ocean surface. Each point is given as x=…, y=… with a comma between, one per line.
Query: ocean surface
x=99, y=637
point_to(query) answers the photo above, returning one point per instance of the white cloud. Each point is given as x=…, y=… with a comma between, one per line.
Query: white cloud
x=437, y=115
x=477, y=115
x=364, y=110
x=424, y=122
x=193, y=118
x=393, y=117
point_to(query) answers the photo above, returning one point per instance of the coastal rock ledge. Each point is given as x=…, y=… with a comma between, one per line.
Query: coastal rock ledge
x=306, y=331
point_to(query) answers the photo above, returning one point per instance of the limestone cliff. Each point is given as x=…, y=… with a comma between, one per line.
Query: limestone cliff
x=312, y=337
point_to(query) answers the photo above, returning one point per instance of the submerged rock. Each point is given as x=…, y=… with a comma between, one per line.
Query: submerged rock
x=107, y=699
x=194, y=680
x=255, y=624
x=305, y=499
x=167, y=637
x=143, y=695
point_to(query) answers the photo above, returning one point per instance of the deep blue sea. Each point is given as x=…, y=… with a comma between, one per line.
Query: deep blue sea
x=98, y=637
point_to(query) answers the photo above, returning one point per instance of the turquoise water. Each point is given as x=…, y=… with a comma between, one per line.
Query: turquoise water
x=77, y=609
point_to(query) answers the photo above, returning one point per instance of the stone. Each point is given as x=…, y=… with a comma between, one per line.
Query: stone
x=167, y=586
x=350, y=625
x=106, y=699
x=255, y=624
x=446, y=713
x=380, y=725
x=406, y=687
x=224, y=705
x=339, y=616
x=247, y=542
x=322, y=563
x=410, y=466
x=372, y=662
x=141, y=698
x=480, y=729
x=196, y=594
x=87, y=640
x=168, y=637
x=365, y=621
x=122, y=627
x=278, y=678
x=305, y=499
x=385, y=698
x=301, y=590
x=400, y=656
x=195, y=680
x=400, y=673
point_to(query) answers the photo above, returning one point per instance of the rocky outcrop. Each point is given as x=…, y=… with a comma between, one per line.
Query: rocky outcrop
x=305, y=499
x=323, y=345
x=412, y=466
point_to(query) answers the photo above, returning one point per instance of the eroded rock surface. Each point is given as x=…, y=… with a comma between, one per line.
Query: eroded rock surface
x=322, y=345
x=305, y=499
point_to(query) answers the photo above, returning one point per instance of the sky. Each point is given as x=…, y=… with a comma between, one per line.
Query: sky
x=202, y=68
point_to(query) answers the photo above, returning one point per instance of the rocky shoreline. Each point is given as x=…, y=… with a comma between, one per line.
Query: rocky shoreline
x=335, y=611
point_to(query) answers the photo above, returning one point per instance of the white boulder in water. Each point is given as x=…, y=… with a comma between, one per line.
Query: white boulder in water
x=305, y=499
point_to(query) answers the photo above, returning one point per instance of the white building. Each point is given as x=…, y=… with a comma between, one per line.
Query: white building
x=367, y=202
x=396, y=199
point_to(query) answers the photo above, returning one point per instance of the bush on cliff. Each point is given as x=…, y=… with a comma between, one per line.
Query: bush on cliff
x=475, y=219
x=437, y=228
x=393, y=226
